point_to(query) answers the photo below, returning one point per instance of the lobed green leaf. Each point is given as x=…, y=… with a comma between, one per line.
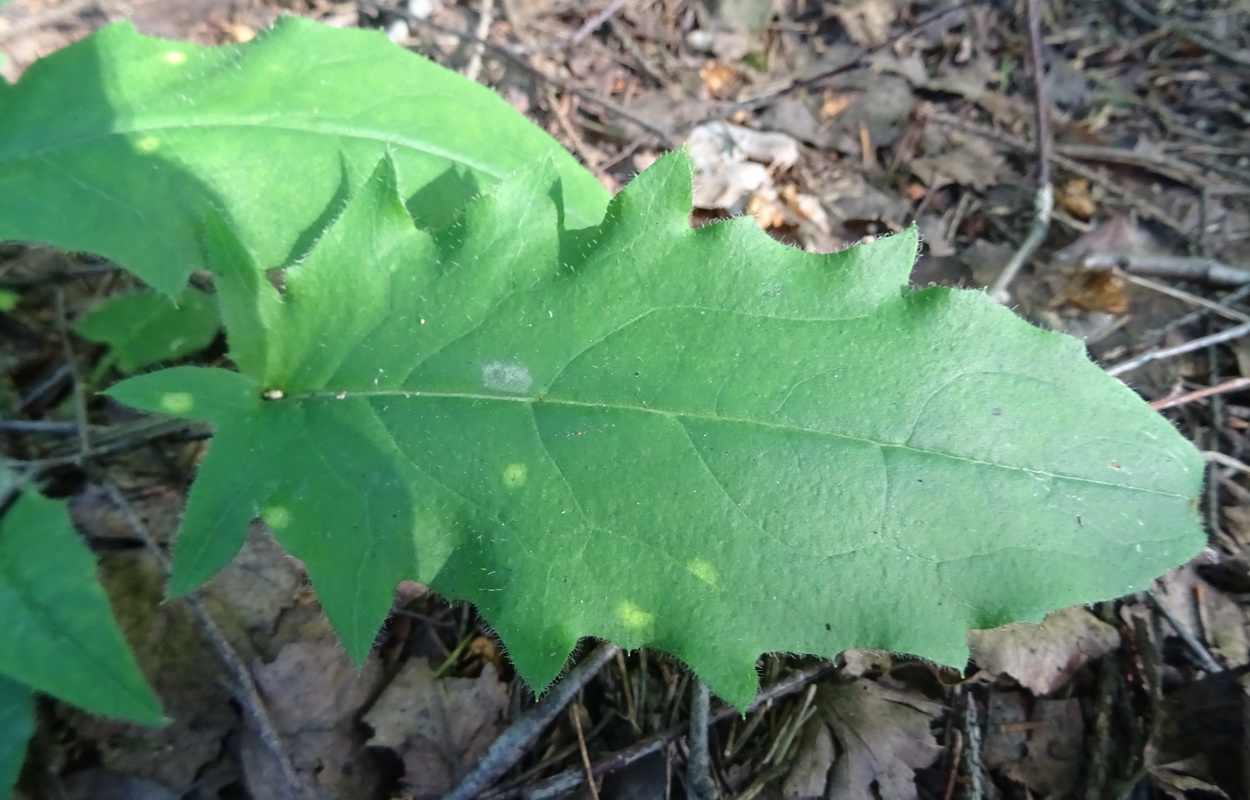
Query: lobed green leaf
x=17, y=725
x=697, y=440
x=116, y=144
x=146, y=328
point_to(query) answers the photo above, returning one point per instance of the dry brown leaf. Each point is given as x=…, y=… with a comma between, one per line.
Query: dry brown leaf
x=884, y=736
x=1211, y=615
x=313, y=693
x=720, y=80
x=1055, y=749
x=1074, y=198
x=1120, y=234
x=809, y=773
x=1094, y=290
x=973, y=163
x=184, y=671
x=867, y=22
x=1044, y=657
x=439, y=727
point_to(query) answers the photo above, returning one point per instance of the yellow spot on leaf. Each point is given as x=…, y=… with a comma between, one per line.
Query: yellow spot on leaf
x=514, y=475
x=633, y=616
x=174, y=57
x=177, y=403
x=148, y=144
x=276, y=517
x=703, y=570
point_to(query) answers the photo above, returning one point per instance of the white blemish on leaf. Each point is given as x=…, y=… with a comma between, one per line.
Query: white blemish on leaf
x=177, y=403
x=276, y=517
x=633, y=616
x=174, y=57
x=703, y=570
x=514, y=475
x=506, y=377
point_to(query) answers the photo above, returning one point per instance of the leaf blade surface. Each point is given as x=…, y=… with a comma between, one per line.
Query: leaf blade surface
x=699, y=440
x=61, y=637
x=116, y=144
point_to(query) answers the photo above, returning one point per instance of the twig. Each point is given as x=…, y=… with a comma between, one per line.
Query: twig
x=574, y=712
x=812, y=81
x=973, y=763
x=591, y=25
x=561, y=783
x=1044, y=200
x=1196, y=315
x=1227, y=386
x=483, y=29
x=119, y=438
x=1099, y=768
x=247, y=691
x=591, y=160
x=953, y=775
x=698, y=769
x=1187, y=347
x=517, y=57
x=1200, y=651
x=45, y=427
x=1188, y=297
x=1173, y=169
x=514, y=742
x=1188, y=268
x=1199, y=38
x=1068, y=164
x=80, y=396
x=1225, y=460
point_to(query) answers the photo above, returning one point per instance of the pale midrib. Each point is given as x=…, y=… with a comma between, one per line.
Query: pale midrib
x=692, y=415
x=381, y=137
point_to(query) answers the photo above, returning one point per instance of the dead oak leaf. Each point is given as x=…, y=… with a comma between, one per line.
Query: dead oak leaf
x=884, y=737
x=440, y=727
x=1044, y=657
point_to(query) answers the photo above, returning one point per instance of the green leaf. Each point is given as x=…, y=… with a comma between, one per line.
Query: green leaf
x=115, y=145
x=17, y=725
x=60, y=636
x=698, y=440
x=146, y=328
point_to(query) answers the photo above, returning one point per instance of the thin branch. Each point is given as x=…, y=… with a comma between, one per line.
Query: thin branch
x=508, y=749
x=1044, y=200
x=862, y=61
x=247, y=692
x=1187, y=347
x=558, y=785
x=699, y=781
x=591, y=25
x=1233, y=385
x=485, y=17
x=1185, y=267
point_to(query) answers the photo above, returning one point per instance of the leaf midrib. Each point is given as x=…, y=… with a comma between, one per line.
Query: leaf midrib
x=323, y=130
x=543, y=400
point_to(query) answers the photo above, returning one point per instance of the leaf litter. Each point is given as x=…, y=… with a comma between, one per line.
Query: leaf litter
x=1155, y=680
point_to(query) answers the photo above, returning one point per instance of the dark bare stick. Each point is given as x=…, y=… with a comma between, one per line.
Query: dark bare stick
x=1044, y=200
x=508, y=748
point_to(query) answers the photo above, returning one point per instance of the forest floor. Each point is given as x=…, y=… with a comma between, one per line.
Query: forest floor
x=875, y=114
